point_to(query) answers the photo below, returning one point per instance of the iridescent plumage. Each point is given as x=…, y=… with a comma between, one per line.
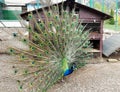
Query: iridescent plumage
x=57, y=46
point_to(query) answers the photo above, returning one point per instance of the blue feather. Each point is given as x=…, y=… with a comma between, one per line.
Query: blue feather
x=69, y=71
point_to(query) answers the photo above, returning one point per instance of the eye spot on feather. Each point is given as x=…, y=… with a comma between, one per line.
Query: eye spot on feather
x=68, y=27
x=14, y=34
x=46, y=52
x=58, y=27
x=26, y=72
x=45, y=34
x=65, y=12
x=63, y=22
x=58, y=35
x=73, y=24
x=22, y=57
x=41, y=45
x=18, y=81
x=39, y=55
x=33, y=62
x=50, y=24
x=21, y=87
x=29, y=29
x=32, y=48
x=11, y=51
x=41, y=25
x=64, y=30
x=30, y=16
x=56, y=17
x=36, y=74
x=36, y=36
x=52, y=33
x=31, y=84
x=49, y=14
x=16, y=71
x=24, y=41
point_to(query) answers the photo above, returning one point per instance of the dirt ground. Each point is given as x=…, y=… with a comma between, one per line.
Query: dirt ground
x=101, y=77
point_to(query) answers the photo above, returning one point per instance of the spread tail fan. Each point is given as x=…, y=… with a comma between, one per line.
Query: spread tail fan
x=56, y=45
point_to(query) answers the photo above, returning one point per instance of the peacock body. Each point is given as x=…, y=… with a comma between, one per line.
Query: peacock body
x=57, y=46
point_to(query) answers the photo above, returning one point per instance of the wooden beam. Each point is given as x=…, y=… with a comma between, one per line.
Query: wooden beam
x=101, y=38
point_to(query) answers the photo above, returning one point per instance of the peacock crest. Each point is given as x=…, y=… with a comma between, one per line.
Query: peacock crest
x=56, y=45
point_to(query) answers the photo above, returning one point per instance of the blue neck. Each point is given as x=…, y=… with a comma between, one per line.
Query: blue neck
x=68, y=71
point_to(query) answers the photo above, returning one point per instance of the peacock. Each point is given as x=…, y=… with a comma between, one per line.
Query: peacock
x=56, y=46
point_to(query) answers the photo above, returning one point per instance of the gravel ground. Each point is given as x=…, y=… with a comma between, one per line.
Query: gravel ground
x=103, y=77
x=7, y=83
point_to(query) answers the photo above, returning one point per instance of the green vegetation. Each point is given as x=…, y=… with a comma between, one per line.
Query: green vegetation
x=98, y=6
x=112, y=21
x=112, y=27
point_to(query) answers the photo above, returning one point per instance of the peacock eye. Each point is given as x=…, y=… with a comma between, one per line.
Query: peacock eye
x=56, y=17
x=41, y=25
x=36, y=36
x=18, y=81
x=41, y=45
x=45, y=34
x=22, y=57
x=29, y=29
x=36, y=73
x=64, y=30
x=16, y=71
x=33, y=62
x=11, y=50
x=31, y=84
x=46, y=52
x=65, y=12
x=50, y=24
x=49, y=14
x=39, y=55
x=26, y=71
x=14, y=34
x=24, y=40
x=58, y=35
x=32, y=48
x=63, y=21
x=54, y=7
x=73, y=24
x=30, y=16
x=21, y=87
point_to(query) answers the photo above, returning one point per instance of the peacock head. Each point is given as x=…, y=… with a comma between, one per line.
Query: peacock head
x=73, y=66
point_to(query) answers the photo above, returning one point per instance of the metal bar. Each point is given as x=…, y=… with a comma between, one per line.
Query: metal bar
x=103, y=5
x=37, y=1
x=91, y=2
x=116, y=22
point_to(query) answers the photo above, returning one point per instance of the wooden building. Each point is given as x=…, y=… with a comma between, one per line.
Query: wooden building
x=92, y=17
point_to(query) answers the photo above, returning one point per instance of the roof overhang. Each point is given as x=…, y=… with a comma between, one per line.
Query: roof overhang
x=104, y=15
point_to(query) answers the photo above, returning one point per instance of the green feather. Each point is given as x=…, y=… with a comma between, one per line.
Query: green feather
x=64, y=64
x=56, y=42
x=30, y=16
x=15, y=35
x=16, y=71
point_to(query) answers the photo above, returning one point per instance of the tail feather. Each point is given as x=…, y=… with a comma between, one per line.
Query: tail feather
x=59, y=35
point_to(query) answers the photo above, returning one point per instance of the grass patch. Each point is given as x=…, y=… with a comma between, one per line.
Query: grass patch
x=112, y=27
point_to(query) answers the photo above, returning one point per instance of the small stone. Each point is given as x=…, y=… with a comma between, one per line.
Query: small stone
x=112, y=60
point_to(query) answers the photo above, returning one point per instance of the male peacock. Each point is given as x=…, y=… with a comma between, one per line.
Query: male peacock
x=57, y=46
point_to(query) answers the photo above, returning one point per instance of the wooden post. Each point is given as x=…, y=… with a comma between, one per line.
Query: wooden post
x=101, y=37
